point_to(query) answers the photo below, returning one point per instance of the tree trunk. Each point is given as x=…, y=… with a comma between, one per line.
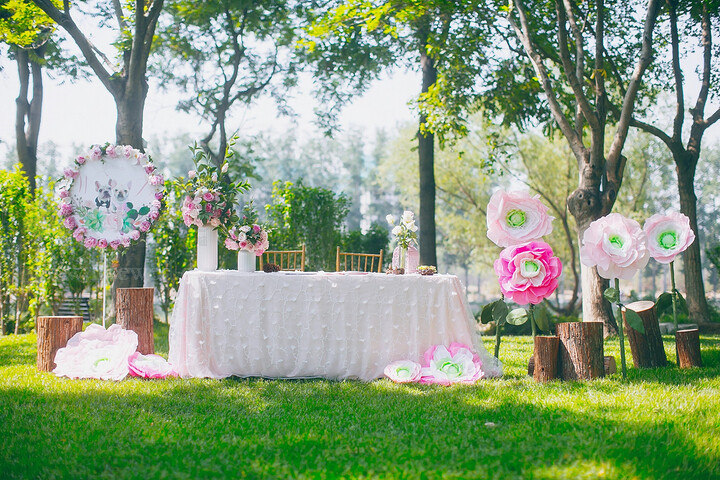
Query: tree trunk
x=647, y=349
x=53, y=334
x=694, y=285
x=581, y=350
x=687, y=343
x=134, y=311
x=426, y=167
x=545, y=356
x=29, y=112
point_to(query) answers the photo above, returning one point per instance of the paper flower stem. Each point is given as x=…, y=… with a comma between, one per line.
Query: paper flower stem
x=674, y=305
x=620, y=331
x=532, y=321
x=498, y=327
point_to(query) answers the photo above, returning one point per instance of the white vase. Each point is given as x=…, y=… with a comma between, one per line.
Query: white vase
x=207, y=249
x=246, y=261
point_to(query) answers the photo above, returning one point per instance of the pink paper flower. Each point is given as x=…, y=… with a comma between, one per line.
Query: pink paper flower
x=403, y=371
x=668, y=235
x=97, y=353
x=454, y=364
x=516, y=217
x=528, y=273
x=616, y=245
x=150, y=366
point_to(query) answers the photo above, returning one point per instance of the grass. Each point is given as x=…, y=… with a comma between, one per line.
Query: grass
x=659, y=424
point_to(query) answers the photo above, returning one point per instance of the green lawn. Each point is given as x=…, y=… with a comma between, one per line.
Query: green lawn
x=658, y=424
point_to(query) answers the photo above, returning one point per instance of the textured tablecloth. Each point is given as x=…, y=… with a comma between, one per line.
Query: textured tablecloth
x=332, y=325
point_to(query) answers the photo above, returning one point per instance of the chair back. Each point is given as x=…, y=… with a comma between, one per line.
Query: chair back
x=288, y=260
x=358, y=262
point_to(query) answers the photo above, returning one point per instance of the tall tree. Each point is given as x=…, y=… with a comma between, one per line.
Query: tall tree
x=579, y=53
x=224, y=53
x=445, y=40
x=700, y=19
x=126, y=82
x=28, y=31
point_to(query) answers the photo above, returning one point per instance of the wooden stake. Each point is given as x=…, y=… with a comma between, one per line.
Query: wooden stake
x=546, y=358
x=581, y=350
x=134, y=311
x=687, y=343
x=647, y=349
x=53, y=334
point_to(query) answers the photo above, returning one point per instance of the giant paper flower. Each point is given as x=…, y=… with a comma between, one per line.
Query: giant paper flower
x=97, y=353
x=516, y=217
x=150, y=366
x=616, y=245
x=528, y=273
x=403, y=371
x=454, y=364
x=668, y=235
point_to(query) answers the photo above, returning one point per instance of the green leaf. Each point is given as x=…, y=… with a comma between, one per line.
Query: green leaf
x=499, y=312
x=634, y=320
x=611, y=295
x=132, y=214
x=517, y=316
x=486, y=313
x=542, y=319
x=663, y=303
x=144, y=210
x=129, y=204
x=682, y=304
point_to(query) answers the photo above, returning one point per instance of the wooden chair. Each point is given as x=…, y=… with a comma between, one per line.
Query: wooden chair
x=358, y=262
x=288, y=260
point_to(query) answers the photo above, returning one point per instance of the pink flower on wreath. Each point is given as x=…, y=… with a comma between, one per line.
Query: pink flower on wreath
x=134, y=235
x=90, y=242
x=128, y=151
x=668, y=235
x=149, y=169
x=64, y=193
x=81, y=159
x=125, y=241
x=110, y=151
x=516, y=217
x=70, y=223
x=115, y=244
x=96, y=152
x=616, y=245
x=154, y=215
x=528, y=273
x=156, y=180
x=158, y=196
x=102, y=243
x=208, y=207
x=65, y=209
x=79, y=234
x=144, y=226
x=70, y=173
x=454, y=364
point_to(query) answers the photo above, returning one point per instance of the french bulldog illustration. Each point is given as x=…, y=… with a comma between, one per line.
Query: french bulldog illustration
x=120, y=196
x=104, y=195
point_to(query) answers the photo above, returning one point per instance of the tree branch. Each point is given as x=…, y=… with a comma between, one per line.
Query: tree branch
x=119, y=15
x=677, y=72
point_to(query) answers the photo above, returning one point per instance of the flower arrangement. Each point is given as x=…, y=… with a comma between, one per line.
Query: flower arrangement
x=406, y=231
x=249, y=234
x=110, y=196
x=209, y=199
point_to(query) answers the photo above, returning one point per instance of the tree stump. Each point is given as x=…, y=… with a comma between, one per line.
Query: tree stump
x=610, y=365
x=546, y=358
x=687, y=343
x=53, y=334
x=581, y=350
x=134, y=311
x=647, y=349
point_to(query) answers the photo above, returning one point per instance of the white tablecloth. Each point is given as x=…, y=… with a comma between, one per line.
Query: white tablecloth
x=331, y=325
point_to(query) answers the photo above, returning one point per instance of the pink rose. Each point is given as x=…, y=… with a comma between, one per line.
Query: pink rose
x=64, y=193
x=528, y=273
x=668, y=235
x=230, y=244
x=79, y=235
x=70, y=223
x=102, y=243
x=616, y=245
x=154, y=215
x=516, y=217
x=208, y=197
x=81, y=159
x=90, y=242
x=110, y=151
x=149, y=169
x=126, y=240
x=65, y=209
x=215, y=222
x=70, y=173
x=256, y=228
x=115, y=244
x=159, y=196
x=135, y=234
x=208, y=207
x=191, y=174
x=156, y=180
x=96, y=153
x=144, y=226
x=128, y=151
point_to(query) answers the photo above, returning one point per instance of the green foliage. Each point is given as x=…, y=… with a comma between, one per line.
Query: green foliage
x=634, y=320
x=23, y=24
x=173, y=253
x=660, y=424
x=372, y=241
x=313, y=216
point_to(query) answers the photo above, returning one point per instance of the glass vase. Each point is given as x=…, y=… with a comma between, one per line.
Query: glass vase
x=207, y=249
x=412, y=261
x=246, y=261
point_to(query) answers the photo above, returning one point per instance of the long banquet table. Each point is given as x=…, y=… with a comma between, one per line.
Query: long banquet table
x=299, y=325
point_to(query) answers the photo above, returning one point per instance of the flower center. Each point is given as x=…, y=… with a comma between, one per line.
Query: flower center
x=668, y=240
x=451, y=369
x=616, y=240
x=515, y=218
x=402, y=372
x=529, y=268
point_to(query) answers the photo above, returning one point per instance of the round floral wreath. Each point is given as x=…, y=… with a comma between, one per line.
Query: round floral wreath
x=125, y=220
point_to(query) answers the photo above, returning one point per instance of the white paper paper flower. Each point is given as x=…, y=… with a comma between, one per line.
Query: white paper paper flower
x=403, y=371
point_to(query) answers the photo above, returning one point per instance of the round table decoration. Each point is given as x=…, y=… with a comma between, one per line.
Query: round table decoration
x=110, y=196
x=250, y=240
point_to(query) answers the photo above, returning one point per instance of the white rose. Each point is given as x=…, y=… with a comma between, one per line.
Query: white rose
x=390, y=219
x=397, y=230
x=407, y=216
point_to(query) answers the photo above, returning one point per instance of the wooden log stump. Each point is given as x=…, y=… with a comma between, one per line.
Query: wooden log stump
x=545, y=357
x=687, y=343
x=134, y=311
x=610, y=365
x=647, y=349
x=53, y=334
x=581, y=350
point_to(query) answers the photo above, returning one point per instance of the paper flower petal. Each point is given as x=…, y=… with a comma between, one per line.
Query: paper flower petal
x=150, y=366
x=403, y=371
